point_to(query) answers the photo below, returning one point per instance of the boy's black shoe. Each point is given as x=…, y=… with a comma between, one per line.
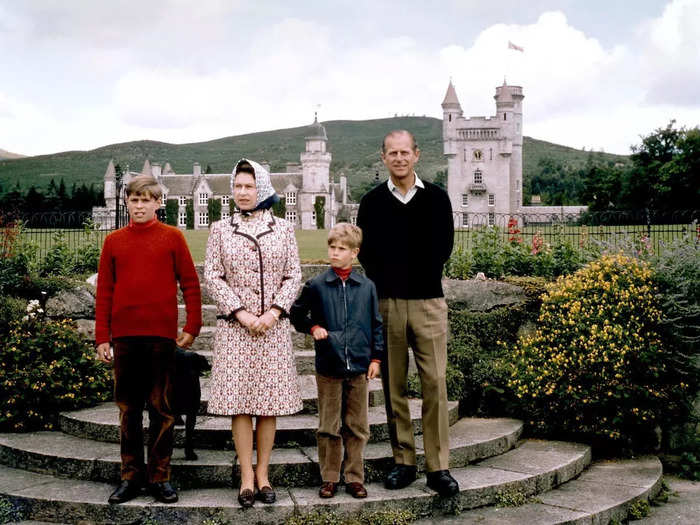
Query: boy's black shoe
x=163, y=492
x=400, y=476
x=443, y=483
x=127, y=490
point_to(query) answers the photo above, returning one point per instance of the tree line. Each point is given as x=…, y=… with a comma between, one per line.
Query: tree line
x=56, y=197
x=663, y=174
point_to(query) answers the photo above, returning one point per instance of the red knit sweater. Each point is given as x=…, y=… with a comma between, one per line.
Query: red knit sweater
x=140, y=266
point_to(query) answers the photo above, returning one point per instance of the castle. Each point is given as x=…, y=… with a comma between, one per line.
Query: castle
x=301, y=185
x=485, y=164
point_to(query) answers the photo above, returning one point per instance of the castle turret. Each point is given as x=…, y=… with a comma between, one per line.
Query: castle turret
x=315, y=167
x=110, y=186
x=451, y=111
x=509, y=112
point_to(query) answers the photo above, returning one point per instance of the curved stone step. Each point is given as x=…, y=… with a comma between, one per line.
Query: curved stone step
x=534, y=467
x=72, y=457
x=309, y=393
x=204, y=343
x=102, y=424
x=603, y=493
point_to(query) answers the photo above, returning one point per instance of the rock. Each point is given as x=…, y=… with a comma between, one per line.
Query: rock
x=86, y=327
x=481, y=296
x=480, y=277
x=76, y=303
x=92, y=280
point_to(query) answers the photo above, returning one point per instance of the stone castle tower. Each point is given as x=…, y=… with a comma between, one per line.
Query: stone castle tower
x=315, y=167
x=484, y=158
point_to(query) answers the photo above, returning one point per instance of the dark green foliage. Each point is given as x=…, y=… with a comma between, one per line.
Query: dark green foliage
x=47, y=367
x=279, y=209
x=214, y=209
x=171, y=211
x=319, y=208
x=189, y=210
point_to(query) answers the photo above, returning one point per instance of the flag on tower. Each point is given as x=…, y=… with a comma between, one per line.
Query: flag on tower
x=511, y=45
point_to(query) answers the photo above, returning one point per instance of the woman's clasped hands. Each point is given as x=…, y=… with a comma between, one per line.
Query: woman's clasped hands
x=258, y=325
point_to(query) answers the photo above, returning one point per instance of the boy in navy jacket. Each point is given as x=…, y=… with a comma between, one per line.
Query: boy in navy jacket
x=339, y=308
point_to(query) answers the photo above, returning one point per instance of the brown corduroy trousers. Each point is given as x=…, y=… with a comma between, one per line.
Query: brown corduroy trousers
x=422, y=325
x=342, y=410
x=143, y=372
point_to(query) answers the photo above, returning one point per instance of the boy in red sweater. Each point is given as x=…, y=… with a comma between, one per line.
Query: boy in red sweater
x=136, y=311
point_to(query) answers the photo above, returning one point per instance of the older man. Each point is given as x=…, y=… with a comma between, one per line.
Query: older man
x=408, y=232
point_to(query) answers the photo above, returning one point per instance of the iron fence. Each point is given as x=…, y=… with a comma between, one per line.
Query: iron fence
x=580, y=230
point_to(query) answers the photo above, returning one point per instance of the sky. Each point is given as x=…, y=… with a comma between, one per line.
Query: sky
x=80, y=74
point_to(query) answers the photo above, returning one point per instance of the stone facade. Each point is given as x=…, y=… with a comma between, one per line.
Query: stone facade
x=485, y=163
x=301, y=184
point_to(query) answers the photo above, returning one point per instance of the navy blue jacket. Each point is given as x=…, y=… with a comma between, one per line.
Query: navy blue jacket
x=350, y=313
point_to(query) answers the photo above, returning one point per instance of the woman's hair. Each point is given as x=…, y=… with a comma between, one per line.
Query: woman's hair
x=346, y=233
x=144, y=185
x=245, y=167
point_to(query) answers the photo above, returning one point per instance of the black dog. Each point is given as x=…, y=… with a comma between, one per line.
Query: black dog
x=187, y=394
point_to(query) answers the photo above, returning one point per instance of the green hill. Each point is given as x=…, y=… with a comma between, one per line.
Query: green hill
x=354, y=145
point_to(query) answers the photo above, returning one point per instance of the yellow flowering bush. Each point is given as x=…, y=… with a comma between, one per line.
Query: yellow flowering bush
x=46, y=366
x=597, y=367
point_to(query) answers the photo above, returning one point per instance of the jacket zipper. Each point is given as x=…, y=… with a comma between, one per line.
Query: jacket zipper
x=345, y=342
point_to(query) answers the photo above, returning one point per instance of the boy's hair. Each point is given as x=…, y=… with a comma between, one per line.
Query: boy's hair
x=144, y=185
x=347, y=234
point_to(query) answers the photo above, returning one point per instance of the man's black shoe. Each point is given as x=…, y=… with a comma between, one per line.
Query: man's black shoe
x=443, y=483
x=163, y=492
x=400, y=476
x=126, y=491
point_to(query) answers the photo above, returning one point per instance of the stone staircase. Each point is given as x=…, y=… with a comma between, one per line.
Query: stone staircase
x=66, y=476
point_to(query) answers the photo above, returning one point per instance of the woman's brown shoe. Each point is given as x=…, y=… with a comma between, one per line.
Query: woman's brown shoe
x=266, y=494
x=356, y=489
x=246, y=498
x=328, y=489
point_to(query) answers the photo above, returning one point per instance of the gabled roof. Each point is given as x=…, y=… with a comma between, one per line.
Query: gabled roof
x=219, y=183
x=179, y=184
x=168, y=169
x=146, y=170
x=280, y=181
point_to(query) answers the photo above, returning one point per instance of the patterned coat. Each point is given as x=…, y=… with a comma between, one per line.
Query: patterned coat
x=252, y=263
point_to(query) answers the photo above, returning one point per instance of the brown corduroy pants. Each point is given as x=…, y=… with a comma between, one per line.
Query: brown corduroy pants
x=342, y=410
x=143, y=372
x=422, y=325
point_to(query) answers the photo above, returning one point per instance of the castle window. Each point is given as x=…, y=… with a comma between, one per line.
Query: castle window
x=490, y=153
x=465, y=154
x=291, y=216
x=492, y=218
x=465, y=200
x=163, y=199
x=478, y=177
x=225, y=215
x=224, y=200
x=353, y=220
x=449, y=118
x=492, y=199
x=203, y=199
x=477, y=154
x=313, y=217
x=182, y=218
x=504, y=116
x=203, y=219
x=465, y=220
x=182, y=201
x=290, y=198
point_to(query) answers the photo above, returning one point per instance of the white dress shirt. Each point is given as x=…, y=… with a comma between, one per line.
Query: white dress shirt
x=409, y=194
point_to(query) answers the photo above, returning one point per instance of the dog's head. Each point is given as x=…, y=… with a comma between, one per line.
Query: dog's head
x=191, y=361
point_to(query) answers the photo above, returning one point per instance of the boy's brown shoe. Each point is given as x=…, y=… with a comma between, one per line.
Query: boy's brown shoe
x=328, y=489
x=356, y=489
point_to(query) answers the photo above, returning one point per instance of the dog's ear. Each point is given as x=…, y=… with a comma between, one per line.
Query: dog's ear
x=203, y=363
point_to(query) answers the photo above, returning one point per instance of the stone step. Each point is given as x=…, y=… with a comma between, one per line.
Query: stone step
x=603, y=493
x=533, y=468
x=102, y=424
x=72, y=457
x=309, y=393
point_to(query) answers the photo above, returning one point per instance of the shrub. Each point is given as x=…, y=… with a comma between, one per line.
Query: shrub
x=46, y=366
x=459, y=265
x=59, y=259
x=597, y=365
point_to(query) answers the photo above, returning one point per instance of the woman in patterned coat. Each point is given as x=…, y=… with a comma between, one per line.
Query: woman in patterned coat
x=253, y=274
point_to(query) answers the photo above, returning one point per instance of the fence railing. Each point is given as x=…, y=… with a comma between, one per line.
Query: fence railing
x=581, y=229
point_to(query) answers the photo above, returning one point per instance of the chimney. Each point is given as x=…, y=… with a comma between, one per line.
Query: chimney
x=196, y=169
x=156, y=170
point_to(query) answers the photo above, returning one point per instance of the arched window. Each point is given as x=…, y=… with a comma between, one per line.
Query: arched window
x=477, y=154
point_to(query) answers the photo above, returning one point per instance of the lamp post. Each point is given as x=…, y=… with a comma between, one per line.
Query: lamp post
x=118, y=177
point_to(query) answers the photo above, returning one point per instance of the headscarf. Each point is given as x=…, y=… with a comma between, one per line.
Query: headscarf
x=267, y=196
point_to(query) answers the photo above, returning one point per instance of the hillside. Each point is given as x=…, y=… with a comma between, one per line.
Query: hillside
x=4, y=154
x=354, y=145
